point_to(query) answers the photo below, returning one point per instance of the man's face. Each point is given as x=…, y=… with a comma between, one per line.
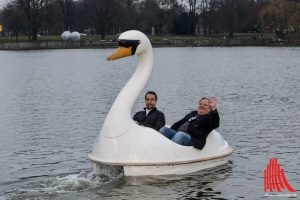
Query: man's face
x=203, y=107
x=150, y=101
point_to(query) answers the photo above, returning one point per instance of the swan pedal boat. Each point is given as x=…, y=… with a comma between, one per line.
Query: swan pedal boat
x=143, y=151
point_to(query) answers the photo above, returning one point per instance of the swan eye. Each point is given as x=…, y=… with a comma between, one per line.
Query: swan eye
x=129, y=43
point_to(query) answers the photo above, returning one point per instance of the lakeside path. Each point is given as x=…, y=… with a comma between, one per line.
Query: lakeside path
x=157, y=43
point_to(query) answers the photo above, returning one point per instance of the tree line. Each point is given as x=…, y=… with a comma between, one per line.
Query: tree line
x=180, y=17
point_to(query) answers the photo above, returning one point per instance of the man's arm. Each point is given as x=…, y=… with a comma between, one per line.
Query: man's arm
x=160, y=121
x=138, y=117
x=214, y=119
x=214, y=115
x=177, y=124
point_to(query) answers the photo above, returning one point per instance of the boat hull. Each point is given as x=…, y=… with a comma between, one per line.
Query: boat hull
x=173, y=169
x=159, y=155
x=178, y=168
x=169, y=169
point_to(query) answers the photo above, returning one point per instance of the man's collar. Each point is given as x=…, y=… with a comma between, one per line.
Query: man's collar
x=150, y=109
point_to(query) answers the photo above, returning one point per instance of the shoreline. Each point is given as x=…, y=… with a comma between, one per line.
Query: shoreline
x=157, y=43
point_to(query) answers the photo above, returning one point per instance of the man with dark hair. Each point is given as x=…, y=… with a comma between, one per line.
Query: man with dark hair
x=150, y=116
x=193, y=129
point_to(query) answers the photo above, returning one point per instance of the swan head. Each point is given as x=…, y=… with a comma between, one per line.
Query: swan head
x=130, y=43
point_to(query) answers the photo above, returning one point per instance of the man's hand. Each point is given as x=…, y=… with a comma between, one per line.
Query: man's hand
x=213, y=103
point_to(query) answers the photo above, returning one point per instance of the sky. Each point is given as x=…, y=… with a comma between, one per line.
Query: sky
x=2, y=3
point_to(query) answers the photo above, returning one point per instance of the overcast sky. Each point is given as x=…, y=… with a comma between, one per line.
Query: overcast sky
x=2, y=2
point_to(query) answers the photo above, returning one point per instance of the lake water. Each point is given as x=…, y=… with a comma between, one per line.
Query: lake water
x=53, y=104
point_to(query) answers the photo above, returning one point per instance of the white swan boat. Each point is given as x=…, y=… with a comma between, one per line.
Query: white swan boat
x=142, y=151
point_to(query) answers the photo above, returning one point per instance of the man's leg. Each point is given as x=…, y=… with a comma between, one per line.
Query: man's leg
x=167, y=132
x=182, y=138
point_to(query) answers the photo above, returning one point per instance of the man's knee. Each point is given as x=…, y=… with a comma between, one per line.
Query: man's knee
x=178, y=138
x=167, y=132
x=182, y=138
x=162, y=129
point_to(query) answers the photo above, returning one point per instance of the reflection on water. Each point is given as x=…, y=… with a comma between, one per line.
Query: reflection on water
x=202, y=184
x=53, y=104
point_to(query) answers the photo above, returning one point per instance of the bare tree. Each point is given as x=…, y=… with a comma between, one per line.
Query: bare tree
x=150, y=13
x=214, y=7
x=33, y=9
x=189, y=5
x=204, y=9
x=280, y=15
x=193, y=9
x=66, y=6
x=14, y=18
x=167, y=16
x=228, y=10
x=102, y=14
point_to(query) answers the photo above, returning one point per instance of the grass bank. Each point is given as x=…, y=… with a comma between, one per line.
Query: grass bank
x=95, y=41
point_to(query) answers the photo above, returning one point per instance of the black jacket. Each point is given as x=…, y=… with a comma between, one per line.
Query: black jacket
x=199, y=127
x=155, y=118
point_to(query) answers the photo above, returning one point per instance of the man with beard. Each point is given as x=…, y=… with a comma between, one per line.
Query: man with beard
x=193, y=129
x=150, y=116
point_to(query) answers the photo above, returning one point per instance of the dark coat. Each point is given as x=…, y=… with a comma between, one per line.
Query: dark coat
x=155, y=119
x=199, y=127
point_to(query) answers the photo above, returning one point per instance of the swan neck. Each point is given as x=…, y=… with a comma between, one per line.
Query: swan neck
x=119, y=120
